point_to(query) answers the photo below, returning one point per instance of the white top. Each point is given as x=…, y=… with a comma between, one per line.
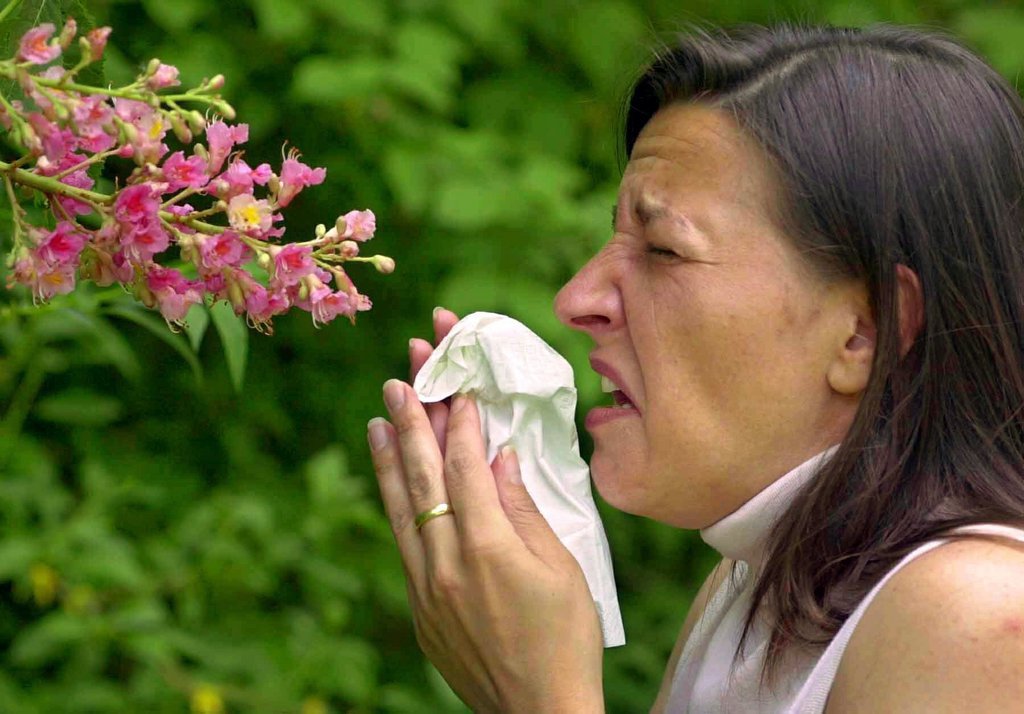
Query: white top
x=707, y=680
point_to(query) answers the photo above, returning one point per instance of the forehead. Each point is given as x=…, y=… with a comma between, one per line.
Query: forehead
x=689, y=150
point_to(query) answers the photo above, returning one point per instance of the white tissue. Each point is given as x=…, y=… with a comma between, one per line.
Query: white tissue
x=526, y=396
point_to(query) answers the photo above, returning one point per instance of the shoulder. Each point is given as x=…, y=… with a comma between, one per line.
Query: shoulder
x=945, y=634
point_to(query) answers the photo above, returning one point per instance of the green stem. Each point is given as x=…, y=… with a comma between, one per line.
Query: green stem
x=8, y=9
x=48, y=184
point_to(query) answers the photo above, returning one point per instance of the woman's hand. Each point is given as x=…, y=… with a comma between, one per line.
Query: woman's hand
x=499, y=605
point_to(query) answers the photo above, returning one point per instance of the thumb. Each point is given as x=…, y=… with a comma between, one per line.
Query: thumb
x=521, y=510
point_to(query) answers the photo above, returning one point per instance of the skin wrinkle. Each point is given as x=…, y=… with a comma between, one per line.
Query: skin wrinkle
x=731, y=339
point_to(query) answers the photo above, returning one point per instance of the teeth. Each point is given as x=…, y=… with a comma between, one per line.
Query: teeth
x=607, y=385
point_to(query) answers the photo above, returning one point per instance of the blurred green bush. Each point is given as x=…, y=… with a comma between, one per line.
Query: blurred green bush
x=168, y=543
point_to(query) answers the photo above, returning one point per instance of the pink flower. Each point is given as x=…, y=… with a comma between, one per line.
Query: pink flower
x=180, y=172
x=250, y=215
x=54, y=141
x=137, y=212
x=223, y=250
x=292, y=263
x=165, y=76
x=360, y=225
x=326, y=305
x=295, y=176
x=97, y=40
x=36, y=47
x=78, y=179
x=221, y=138
x=62, y=246
x=94, y=124
x=239, y=178
x=261, y=305
x=174, y=293
x=46, y=280
x=147, y=130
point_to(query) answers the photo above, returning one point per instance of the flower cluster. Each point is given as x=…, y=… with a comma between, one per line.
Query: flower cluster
x=185, y=226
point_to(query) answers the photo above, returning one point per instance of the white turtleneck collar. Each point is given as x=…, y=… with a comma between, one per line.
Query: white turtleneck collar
x=742, y=535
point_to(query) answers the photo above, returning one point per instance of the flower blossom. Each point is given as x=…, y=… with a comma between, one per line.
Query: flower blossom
x=62, y=246
x=222, y=250
x=36, y=46
x=292, y=263
x=295, y=176
x=180, y=172
x=221, y=138
x=137, y=211
x=77, y=179
x=250, y=215
x=173, y=292
x=97, y=40
x=239, y=178
x=164, y=76
x=360, y=225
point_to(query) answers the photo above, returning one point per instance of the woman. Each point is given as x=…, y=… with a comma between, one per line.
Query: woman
x=813, y=309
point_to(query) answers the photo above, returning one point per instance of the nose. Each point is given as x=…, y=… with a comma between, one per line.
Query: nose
x=592, y=301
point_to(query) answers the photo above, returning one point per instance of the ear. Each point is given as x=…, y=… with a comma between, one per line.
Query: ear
x=911, y=307
x=850, y=368
x=849, y=371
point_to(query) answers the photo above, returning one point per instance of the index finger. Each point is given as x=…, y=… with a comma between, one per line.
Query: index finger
x=469, y=479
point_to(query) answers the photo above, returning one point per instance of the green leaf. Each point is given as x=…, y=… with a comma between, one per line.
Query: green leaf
x=16, y=556
x=235, y=338
x=330, y=80
x=159, y=329
x=196, y=322
x=178, y=15
x=79, y=406
x=48, y=639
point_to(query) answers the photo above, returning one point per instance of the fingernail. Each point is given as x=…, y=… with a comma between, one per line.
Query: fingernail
x=377, y=431
x=411, y=343
x=394, y=394
x=437, y=310
x=510, y=464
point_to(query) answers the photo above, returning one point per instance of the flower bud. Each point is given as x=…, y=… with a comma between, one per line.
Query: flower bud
x=320, y=231
x=303, y=290
x=143, y=294
x=216, y=83
x=348, y=248
x=383, y=264
x=67, y=34
x=340, y=225
x=196, y=121
x=152, y=67
x=274, y=184
x=226, y=110
x=264, y=260
x=180, y=128
x=236, y=297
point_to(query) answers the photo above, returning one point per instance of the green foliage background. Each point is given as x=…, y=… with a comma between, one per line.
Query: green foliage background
x=168, y=542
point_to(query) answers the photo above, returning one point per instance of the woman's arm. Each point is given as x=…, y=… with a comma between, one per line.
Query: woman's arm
x=946, y=634
x=697, y=607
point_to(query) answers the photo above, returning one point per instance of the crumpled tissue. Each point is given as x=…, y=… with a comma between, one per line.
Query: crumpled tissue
x=526, y=396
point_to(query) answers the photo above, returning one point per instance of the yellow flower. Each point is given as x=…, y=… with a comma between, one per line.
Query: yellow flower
x=314, y=705
x=207, y=700
x=45, y=583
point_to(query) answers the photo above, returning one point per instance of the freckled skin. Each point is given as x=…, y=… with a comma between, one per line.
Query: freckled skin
x=723, y=343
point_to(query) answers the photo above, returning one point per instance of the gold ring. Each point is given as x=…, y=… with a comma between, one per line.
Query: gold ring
x=441, y=509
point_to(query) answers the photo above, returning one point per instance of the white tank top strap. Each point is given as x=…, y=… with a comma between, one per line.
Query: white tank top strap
x=814, y=693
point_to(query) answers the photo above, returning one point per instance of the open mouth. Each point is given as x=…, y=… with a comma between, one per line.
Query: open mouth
x=621, y=400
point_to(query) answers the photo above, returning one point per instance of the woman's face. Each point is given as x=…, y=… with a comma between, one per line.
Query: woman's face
x=716, y=333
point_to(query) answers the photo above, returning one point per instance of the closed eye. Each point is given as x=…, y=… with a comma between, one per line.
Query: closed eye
x=656, y=250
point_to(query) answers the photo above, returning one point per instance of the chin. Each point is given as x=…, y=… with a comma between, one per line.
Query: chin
x=621, y=482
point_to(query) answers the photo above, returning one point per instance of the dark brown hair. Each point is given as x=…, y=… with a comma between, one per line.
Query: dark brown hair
x=893, y=146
